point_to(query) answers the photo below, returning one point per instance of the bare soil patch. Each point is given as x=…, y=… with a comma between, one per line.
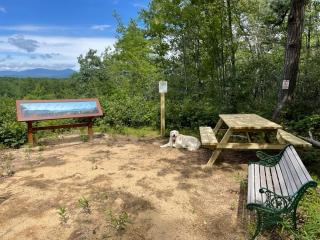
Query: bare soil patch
x=165, y=192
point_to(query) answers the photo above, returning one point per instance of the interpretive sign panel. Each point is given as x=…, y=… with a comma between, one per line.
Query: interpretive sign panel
x=34, y=110
x=37, y=110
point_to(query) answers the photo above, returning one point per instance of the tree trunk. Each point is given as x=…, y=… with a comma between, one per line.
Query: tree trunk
x=292, y=54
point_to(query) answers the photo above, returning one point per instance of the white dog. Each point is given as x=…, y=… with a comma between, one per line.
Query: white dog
x=182, y=141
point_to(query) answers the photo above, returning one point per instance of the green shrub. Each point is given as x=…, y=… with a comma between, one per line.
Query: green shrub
x=123, y=110
x=12, y=133
x=305, y=124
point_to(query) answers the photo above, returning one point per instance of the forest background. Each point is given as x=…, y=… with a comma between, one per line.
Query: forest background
x=218, y=56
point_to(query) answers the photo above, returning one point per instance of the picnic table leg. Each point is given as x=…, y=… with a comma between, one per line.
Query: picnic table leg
x=218, y=126
x=267, y=137
x=217, y=152
x=249, y=137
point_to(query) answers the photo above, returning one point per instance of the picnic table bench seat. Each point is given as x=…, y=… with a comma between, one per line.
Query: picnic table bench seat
x=276, y=184
x=288, y=138
x=208, y=138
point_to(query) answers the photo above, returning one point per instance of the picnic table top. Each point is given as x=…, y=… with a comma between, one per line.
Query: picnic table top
x=248, y=121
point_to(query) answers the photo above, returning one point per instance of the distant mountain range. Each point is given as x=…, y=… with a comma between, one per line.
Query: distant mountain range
x=38, y=73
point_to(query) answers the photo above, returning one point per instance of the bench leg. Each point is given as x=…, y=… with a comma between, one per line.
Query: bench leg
x=258, y=226
x=294, y=218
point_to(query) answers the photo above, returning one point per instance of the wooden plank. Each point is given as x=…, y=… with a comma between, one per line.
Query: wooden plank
x=257, y=186
x=263, y=181
x=303, y=168
x=250, y=183
x=294, y=161
x=249, y=146
x=269, y=179
x=74, y=125
x=275, y=180
x=282, y=183
x=207, y=136
x=290, y=138
x=248, y=121
x=294, y=173
x=289, y=185
x=290, y=180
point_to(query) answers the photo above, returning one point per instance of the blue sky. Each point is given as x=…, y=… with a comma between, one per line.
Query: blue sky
x=53, y=33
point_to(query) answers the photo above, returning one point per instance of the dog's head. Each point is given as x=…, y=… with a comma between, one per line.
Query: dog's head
x=173, y=135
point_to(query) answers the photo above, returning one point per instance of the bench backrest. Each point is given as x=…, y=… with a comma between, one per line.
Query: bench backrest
x=293, y=170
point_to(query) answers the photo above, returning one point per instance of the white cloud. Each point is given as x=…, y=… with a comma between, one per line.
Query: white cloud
x=100, y=27
x=2, y=9
x=58, y=51
x=32, y=28
x=138, y=5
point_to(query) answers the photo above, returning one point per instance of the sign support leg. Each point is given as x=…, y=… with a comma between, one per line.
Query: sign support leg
x=90, y=130
x=30, y=134
x=162, y=104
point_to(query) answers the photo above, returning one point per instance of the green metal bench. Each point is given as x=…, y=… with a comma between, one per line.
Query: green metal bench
x=276, y=184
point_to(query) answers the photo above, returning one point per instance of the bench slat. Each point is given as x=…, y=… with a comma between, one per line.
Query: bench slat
x=276, y=184
x=282, y=183
x=257, y=186
x=251, y=183
x=269, y=180
x=290, y=179
x=302, y=167
x=295, y=164
x=263, y=180
x=207, y=136
x=293, y=172
x=286, y=178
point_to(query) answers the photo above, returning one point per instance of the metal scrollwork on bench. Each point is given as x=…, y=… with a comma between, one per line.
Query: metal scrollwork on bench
x=275, y=201
x=270, y=161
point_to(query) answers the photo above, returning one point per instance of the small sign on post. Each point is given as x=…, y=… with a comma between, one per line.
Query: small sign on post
x=163, y=88
x=285, y=84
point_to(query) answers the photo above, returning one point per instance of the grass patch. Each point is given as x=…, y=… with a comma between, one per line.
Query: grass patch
x=129, y=131
x=310, y=213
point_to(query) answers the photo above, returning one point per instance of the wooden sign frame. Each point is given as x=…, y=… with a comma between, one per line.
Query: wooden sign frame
x=30, y=119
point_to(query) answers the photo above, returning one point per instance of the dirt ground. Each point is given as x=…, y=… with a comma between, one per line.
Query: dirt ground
x=165, y=192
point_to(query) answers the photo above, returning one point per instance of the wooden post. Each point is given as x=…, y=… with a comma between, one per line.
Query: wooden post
x=163, y=123
x=30, y=135
x=90, y=130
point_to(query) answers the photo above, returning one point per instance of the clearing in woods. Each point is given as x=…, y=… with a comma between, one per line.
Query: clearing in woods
x=164, y=191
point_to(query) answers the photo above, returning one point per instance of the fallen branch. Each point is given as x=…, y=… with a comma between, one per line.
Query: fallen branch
x=311, y=140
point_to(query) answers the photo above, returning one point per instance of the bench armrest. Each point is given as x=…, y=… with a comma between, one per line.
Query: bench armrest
x=270, y=161
x=261, y=155
x=275, y=202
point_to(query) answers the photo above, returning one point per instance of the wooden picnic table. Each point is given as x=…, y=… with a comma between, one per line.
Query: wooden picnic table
x=246, y=124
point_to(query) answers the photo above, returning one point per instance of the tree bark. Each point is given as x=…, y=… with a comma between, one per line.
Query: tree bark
x=292, y=54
